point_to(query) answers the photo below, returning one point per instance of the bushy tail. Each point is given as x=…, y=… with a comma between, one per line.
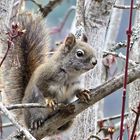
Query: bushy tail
x=28, y=52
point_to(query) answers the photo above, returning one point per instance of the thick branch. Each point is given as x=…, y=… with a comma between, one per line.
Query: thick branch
x=98, y=93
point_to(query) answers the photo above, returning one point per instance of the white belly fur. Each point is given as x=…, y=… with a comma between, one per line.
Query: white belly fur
x=65, y=92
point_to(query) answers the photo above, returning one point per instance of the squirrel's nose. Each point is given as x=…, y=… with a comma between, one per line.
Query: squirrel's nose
x=94, y=61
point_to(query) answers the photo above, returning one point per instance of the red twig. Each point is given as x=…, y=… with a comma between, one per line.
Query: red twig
x=129, y=32
x=135, y=136
x=128, y=132
x=136, y=122
x=4, y=56
x=12, y=34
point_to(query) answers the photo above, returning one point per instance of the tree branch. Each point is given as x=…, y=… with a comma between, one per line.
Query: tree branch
x=127, y=6
x=112, y=117
x=98, y=93
x=48, y=8
x=14, y=121
x=27, y=105
x=120, y=55
x=118, y=46
x=7, y=125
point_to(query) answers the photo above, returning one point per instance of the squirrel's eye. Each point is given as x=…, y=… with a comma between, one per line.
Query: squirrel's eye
x=79, y=53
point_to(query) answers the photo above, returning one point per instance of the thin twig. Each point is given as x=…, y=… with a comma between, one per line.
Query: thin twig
x=126, y=6
x=113, y=117
x=7, y=125
x=5, y=55
x=48, y=8
x=120, y=55
x=129, y=34
x=14, y=121
x=27, y=105
x=118, y=46
x=12, y=34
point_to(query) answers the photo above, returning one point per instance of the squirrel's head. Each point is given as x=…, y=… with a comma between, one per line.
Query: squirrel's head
x=77, y=57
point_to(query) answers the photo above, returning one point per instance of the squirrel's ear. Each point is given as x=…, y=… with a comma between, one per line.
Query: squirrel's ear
x=70, y=40
x=84, y=38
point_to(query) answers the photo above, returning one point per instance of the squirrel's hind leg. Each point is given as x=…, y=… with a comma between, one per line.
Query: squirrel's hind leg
x=35, y=117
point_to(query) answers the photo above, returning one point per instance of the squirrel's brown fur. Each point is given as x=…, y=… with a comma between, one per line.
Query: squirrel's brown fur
x=30, y=50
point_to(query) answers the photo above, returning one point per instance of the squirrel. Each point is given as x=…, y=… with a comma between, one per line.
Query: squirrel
x=47, y=79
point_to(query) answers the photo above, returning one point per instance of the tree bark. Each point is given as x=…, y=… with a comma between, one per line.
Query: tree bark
x=94, y=16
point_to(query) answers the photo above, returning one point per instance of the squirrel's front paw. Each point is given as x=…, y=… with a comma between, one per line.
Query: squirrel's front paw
x=84, y=96
x=51, y=103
